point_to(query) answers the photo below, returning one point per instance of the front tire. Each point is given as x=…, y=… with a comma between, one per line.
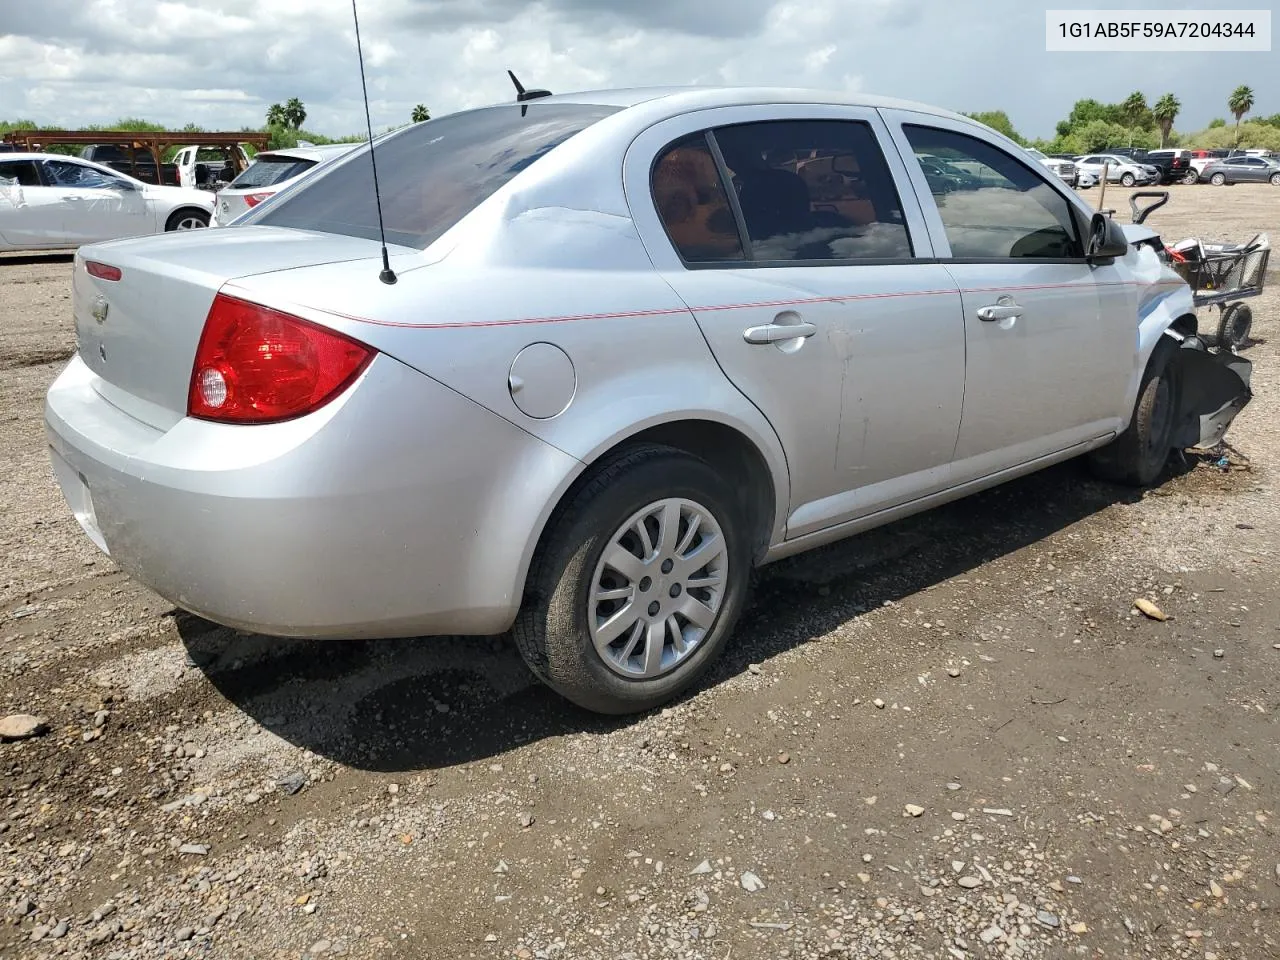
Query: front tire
x=1128, y=180
x=1138, y=456
x=188, y=219
x=638, y=584
x=1190, y=177
x=1218, y=179
x=1275, y=179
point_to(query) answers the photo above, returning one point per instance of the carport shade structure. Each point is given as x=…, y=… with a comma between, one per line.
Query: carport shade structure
x=155, y=143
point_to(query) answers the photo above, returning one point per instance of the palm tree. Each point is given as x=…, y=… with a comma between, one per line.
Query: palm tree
x=1165, y=110
x=276, y=116
x=295, y=113
x=420, y=113
x=1134, y=106
x=1239, y=103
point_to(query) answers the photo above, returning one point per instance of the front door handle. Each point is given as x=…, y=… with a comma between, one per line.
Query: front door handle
x=1003, y=309
x=779, y=332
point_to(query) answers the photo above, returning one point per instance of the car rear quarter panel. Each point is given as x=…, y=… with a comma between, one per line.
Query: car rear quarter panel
x=638, y=357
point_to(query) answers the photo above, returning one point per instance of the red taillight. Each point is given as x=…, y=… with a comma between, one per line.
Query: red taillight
x=253, y=199
x=103, y=271
x=257, y=365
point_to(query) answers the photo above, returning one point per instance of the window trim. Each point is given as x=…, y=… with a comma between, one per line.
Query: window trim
x=905, y=119
x=744, y=238
x=731, y=195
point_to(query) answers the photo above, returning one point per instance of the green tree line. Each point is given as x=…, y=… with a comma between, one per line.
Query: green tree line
x=1133, y=122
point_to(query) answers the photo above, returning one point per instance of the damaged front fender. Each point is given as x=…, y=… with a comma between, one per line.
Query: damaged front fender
x=1213, y=389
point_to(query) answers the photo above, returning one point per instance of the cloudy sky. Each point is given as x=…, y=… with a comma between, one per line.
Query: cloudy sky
x=219, y=63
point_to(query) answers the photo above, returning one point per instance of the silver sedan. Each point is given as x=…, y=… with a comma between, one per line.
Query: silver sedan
x=624, y=347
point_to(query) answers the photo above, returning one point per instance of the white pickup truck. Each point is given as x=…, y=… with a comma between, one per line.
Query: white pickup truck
x=206, y=168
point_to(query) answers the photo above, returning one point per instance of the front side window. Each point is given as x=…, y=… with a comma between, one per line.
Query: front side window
x=993, y=206
x=431, y=174
x=63, y=173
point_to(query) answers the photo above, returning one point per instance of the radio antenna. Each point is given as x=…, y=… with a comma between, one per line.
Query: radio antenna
x=387, y=275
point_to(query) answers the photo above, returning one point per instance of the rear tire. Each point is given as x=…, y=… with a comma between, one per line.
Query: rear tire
x=1138, y=456
x=1275, y=179
x=1218, y=179
x=188, y=218
x=563, y=627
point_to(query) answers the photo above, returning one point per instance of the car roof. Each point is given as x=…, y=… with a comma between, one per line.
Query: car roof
x=322, y=152
x=683, y=99
x=35, y=155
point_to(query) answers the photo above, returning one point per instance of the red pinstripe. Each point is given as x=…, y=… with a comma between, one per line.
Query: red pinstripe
x=674, y=311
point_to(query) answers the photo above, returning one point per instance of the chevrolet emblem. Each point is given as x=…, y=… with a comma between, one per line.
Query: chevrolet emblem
x=100, y=309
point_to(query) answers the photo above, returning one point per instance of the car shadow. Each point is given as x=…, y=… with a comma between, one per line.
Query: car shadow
x=403, y=705
x=29, y=259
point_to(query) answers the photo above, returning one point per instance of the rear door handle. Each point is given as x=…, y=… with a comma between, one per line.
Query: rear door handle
x=779, y=332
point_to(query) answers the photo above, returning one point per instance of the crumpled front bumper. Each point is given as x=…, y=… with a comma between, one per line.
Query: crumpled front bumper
x=1214, y=389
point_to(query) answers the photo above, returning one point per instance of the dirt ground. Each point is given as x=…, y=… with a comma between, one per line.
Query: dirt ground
x=950, y=738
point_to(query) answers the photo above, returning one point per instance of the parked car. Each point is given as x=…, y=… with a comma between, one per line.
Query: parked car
x=1120, y=169
x=619, y=349
x=1066, y=170
x=138, y=164
x=271, y=172
x=1174, y=165
x=49, y=201
x=1085, y=180
x=1242, y=169
x=207, y=168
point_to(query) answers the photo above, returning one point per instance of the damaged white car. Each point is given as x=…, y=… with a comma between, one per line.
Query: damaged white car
x=52, y=202
x=619, y=348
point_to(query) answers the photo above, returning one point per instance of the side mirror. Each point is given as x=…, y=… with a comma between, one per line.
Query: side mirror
x=124, y=186
x=1106, y=239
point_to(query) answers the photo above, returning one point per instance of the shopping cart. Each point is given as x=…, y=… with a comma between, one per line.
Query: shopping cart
x=1223, y=275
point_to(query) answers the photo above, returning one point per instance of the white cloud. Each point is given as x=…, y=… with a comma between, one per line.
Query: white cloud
x=220, y=65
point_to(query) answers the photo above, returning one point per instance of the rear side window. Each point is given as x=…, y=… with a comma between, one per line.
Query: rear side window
x=805, y=190
x=431, y=174
x=991, y=205
x=268, y=171
x=20, y=172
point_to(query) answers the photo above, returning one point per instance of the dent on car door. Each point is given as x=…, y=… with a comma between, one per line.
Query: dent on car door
x=786, y=234
x=1050, y=337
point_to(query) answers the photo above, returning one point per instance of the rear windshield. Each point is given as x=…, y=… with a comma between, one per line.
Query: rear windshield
x=431, y=174
x=268, y=171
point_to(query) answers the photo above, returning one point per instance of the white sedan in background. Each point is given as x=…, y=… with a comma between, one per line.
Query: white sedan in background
x=52, y=202
x=1121, y=170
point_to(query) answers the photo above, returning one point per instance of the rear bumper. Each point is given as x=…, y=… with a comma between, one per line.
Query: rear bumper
x=399, y=509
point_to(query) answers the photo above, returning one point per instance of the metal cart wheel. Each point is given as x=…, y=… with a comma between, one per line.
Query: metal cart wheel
x=1235, y=325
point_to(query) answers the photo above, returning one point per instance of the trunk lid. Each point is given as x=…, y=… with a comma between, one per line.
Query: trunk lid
x=231, y=203
x=139, y=333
